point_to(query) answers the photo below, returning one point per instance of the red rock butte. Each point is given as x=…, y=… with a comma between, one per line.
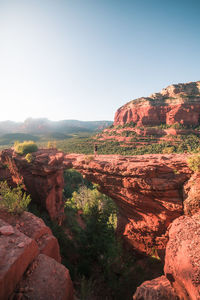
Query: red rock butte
x=178, y=103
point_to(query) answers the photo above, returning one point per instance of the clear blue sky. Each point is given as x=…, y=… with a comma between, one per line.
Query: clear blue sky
x=83, y=59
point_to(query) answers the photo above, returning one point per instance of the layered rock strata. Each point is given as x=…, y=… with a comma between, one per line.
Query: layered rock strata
x=178, y=103
x=148, y=191
x=42, y=177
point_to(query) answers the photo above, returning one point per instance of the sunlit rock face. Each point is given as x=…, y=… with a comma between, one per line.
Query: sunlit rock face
x=42, y=177
x=183, y=256
x=182, y=269
x=178, y=103
x=148, y=190
x=30, y=260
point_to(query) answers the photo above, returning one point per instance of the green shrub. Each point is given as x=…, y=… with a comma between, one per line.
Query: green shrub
x=25, y=147
x=13, y=200
x=51, y=145
x=168, y=150
x=29, y=157
x=194, y=162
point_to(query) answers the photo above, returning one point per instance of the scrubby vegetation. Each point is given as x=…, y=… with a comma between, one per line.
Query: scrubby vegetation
x=13, y=200
x=25, y=147
x=194, y=162
x=29, y=157
x=177, y=144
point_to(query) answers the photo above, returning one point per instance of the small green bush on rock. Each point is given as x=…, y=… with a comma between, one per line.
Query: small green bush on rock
x=13, y=200
x=194, y=162
x=25, y=147
x=29, y=157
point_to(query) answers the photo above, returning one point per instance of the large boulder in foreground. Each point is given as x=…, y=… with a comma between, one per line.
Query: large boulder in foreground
x=35, y=229
x=178, y=103
x=46, y=279
x=182, y=260
x=17, y=251
x=26, y=242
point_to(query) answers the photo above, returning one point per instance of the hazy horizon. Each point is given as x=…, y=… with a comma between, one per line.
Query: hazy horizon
x=59, y=120
x=83, y=59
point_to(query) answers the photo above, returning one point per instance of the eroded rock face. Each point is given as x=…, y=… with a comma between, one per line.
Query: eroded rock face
x=175, y=104
x=26, y=241
x=192, y=195
x=42, y=178
x=17, y=251
x=156, y=289
x=148, y=190
x=46, y=279
x=35, y=229
x=182, y=260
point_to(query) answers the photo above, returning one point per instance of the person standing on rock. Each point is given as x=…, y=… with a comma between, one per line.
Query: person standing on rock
x=95, y=149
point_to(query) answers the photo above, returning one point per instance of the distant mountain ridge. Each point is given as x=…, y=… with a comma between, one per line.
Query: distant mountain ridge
x=45, y=126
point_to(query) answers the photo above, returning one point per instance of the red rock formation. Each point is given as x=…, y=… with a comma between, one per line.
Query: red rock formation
x=35, y=229
x=46, y=279
x=147, y=189
x=17, y=251
x=192, y=195
x=155, y=289
x=42, y=178
x=182, y=260
x=20, y=244
x=175, y=104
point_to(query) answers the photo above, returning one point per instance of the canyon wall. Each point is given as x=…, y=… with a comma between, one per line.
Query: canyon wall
x=148, y=189
x=42, y=177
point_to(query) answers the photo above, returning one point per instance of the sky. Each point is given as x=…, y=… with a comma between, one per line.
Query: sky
x=83, y=59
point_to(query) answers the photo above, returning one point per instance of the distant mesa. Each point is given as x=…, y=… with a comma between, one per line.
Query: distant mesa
x=178, y=103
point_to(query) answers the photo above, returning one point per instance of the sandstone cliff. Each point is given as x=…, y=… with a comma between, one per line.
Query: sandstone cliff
x=42, y=177
x=182, y=269
x=149, y=189
x=178, y=103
